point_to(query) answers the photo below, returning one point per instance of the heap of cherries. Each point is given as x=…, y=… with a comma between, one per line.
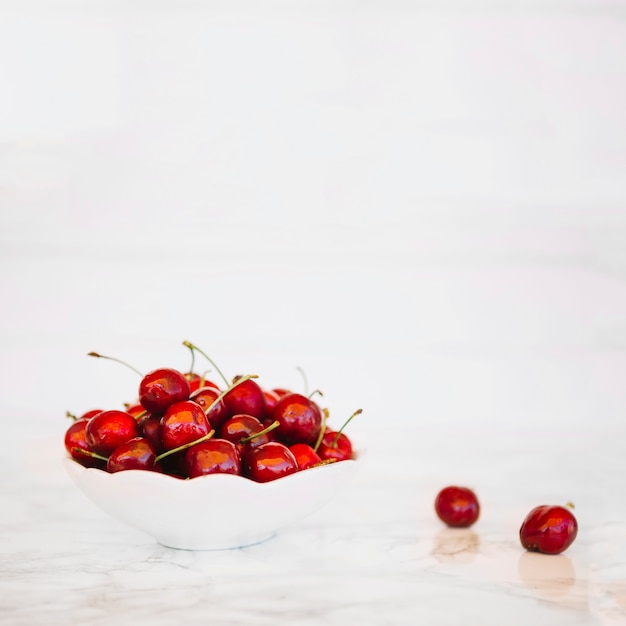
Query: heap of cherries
x=185, y=425
x=549, y=529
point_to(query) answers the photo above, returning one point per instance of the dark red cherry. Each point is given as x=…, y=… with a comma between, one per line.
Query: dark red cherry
x=135, y=454
x=271, y=400
x=161, y=388
x=150, y=428
x=243, y=427
x=136, y=410
x=300, y=419
x=280, y=392
x=457, y=506
x=109, y=429
x=197, y=382
x=205, y=397
x=75, y=441
x=215, y=456
x=305, y=455
x=183, y=423
x=335, y=446
x=548, y=529
x=247, y=398
x=270, y=461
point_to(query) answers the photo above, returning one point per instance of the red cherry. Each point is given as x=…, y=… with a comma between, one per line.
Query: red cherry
x=150, y=428
x=183, y=423
x=548, y=529
x=215, y=456
x=335, y=446
x=205, y=397
x=136, y=410
x=75, y=441
x=240, y=430
x=161, y=388
x=280, y=392
x=247, y=398
x=109, y=429
x=457, y=506
x=305, y=455
x=270, y=461
x=198, y=382
x=271, y=400
x=300, y=419
x=134, y=454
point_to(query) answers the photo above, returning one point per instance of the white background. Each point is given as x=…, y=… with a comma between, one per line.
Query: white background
x=421, y=204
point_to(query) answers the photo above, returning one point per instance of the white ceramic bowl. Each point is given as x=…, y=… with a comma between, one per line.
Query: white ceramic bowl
x=212, y=512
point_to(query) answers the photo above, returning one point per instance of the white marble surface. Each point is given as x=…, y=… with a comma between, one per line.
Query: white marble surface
x=421, y=204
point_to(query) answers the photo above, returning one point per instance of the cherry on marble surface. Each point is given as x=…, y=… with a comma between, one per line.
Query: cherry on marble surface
x=457, y=507
x=549, y=529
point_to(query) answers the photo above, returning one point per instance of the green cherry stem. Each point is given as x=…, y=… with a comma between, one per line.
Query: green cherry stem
x=111, y=358
x=184, y=446
x=334, y=443
x=322, y=429
x=272, y=426
x=93, y=455
x=315, y=391
x=210, y=434
x=193, y=347
x=71, y=416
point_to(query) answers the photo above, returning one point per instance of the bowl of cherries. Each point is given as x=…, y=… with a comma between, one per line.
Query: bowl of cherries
x=199, y=465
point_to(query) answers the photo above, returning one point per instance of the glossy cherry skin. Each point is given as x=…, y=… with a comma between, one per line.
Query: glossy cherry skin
x=340, y=450
x=75, y=438
x=270, y=461
x=136, y=410
x=305, y=455
x=280, y=392
x=183, y=423
x=161, y=388
x=300, y=419
x=108, y=430
x=150, y=428
x=205, y=397
x=215, y=456
x=240, y=427
x=271, y=400
x=246, y=398
x=457, y=506
x=197, y=382
x=134, y=454
x=548, y=529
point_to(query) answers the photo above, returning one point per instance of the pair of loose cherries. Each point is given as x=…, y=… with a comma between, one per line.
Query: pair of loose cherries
x=549, y=529
x=186, y=426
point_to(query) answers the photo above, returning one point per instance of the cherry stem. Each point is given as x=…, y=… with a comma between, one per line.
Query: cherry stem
x=314, y=392
x=272, y=426
x=322, y=429
x=210, y=434
x=93, y=455
x=334, y=443
x=184, y=446
x=304, y=378
x=71, y=416
x=193, y=357
x=111, y=358
x=192, y=347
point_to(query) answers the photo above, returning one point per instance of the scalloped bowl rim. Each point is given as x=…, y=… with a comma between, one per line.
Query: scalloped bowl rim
x=178, y=513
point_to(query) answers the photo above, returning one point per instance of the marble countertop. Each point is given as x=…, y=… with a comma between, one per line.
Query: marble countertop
x=420, y=204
